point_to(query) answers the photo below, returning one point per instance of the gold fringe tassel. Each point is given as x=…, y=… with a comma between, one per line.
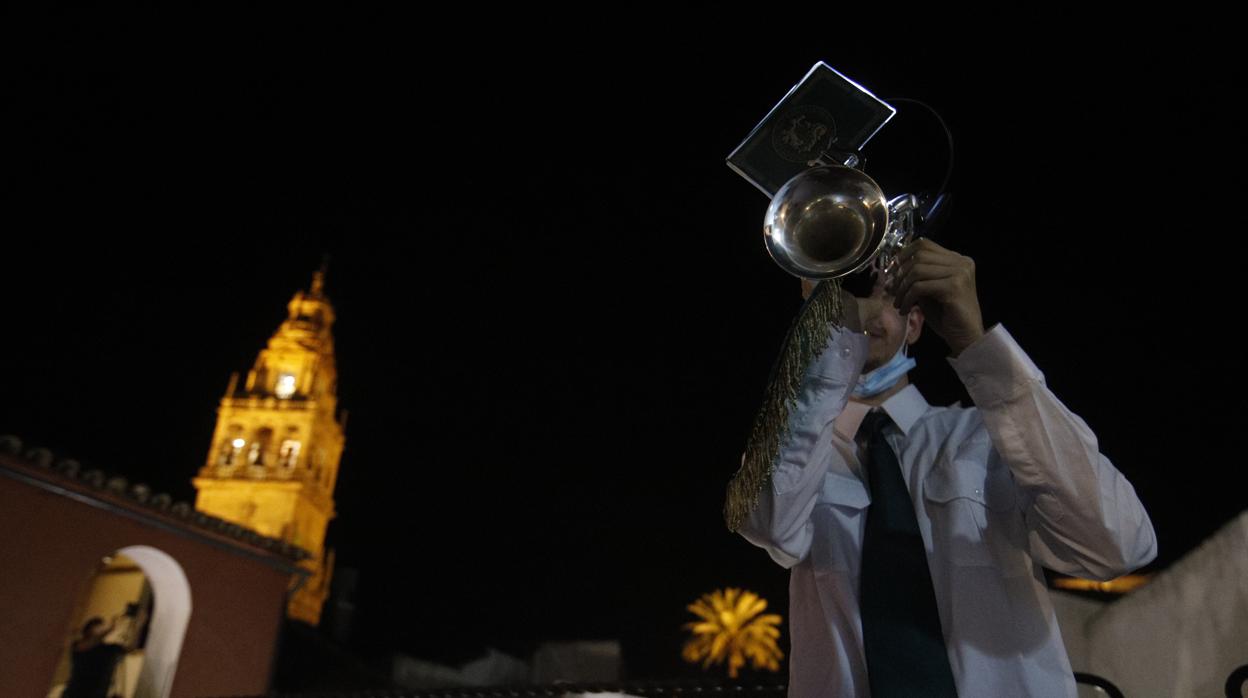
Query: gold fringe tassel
x=806, y=340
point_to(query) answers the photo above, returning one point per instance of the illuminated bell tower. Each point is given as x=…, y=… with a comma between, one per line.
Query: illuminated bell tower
x=274, y=457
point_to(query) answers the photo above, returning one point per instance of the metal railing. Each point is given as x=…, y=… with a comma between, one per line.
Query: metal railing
x=681, y=689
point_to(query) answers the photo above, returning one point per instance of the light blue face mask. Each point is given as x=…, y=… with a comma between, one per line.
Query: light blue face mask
x=878, y=380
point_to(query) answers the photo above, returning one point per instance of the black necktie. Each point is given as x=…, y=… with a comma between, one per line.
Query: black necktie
x=900, y=624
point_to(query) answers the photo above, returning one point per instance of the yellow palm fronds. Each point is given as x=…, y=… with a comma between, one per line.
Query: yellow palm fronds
x=731, y=628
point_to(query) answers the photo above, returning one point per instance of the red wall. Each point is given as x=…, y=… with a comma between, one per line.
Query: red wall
x=50, y=546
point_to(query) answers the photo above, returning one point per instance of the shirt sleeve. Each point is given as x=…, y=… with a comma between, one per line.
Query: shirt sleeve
x=780, y=522
x=1082, y=515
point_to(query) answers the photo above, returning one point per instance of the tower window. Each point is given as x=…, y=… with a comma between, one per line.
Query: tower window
x=259, y=452
x=285, y=385
x=232, y=446
x=289, y=453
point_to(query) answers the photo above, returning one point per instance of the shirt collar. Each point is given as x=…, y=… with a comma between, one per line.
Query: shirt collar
x=905, y=408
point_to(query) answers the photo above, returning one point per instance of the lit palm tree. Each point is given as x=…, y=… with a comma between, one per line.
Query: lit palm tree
x=731, y=628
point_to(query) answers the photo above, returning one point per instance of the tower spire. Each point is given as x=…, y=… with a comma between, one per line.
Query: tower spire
x=318, y=279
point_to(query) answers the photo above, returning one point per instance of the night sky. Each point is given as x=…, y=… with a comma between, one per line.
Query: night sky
x=556, y=315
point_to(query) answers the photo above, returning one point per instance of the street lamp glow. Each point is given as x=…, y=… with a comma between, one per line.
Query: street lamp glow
x=731, y=626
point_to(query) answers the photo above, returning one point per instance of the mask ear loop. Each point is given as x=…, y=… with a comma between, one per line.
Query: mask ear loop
x=905, y=337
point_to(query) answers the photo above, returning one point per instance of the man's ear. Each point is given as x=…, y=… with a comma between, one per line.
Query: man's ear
x=914, y=325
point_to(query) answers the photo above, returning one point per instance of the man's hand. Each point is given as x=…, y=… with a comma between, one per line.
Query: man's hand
x=942, y=283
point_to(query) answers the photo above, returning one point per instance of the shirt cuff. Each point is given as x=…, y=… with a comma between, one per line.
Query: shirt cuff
x=995, y=369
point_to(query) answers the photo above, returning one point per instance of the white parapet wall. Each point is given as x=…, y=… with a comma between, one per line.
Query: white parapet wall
x=1074, y=617
x=1182, y=634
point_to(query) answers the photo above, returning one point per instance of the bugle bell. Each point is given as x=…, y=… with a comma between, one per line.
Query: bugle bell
x=831, y=221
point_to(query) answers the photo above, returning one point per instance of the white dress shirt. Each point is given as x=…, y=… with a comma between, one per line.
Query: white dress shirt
x=999, y=490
